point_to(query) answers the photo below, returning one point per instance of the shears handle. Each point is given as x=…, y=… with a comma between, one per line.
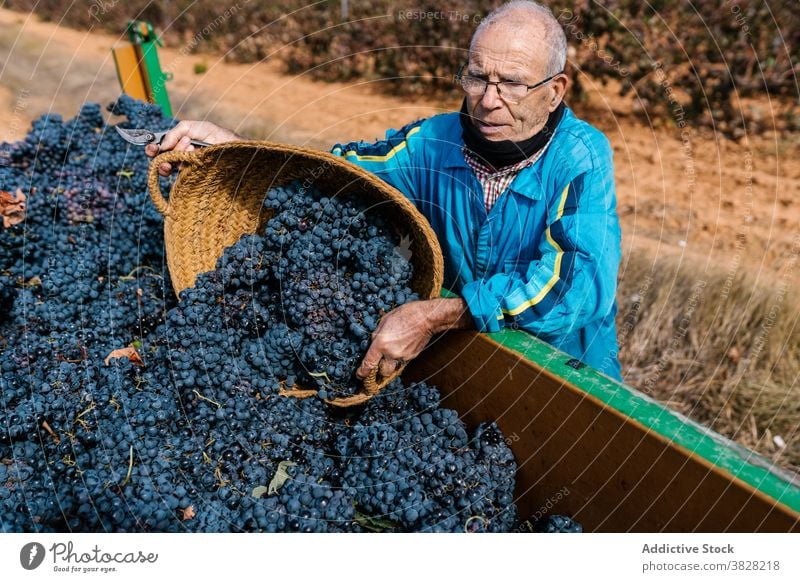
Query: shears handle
x=157, y=137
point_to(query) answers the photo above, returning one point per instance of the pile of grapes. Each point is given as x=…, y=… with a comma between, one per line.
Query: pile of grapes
x=124, y=410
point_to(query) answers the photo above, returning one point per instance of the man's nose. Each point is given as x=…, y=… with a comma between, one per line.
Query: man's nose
x=491, y=97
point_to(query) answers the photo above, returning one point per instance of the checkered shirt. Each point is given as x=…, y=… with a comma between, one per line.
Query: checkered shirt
x=495, y=182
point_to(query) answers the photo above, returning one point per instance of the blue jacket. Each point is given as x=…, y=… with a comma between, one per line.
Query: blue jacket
x=545, y=258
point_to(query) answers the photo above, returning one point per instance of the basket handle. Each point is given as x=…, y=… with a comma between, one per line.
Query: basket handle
x=161, y=203
x=372, y=385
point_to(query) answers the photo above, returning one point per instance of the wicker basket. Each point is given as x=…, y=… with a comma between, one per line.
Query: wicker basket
x=219, y=196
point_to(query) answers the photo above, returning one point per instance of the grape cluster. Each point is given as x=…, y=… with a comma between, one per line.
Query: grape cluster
x=124, y=410
x=334, y=272
x=560, y=524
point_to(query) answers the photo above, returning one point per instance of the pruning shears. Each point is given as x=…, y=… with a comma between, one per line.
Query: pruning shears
x=144, y=137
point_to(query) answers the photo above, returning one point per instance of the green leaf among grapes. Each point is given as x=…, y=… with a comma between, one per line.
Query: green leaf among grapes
x=281, y=476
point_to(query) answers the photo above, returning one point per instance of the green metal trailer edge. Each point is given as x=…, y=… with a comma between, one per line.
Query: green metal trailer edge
x=744, y=464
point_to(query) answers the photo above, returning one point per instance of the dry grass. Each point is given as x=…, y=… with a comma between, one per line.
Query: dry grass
x=717, y=345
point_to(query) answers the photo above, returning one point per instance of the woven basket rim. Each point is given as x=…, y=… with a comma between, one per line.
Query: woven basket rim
x=198, y=157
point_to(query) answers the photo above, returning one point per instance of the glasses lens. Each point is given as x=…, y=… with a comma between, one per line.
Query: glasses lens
x=473, y=85
x=513, y=91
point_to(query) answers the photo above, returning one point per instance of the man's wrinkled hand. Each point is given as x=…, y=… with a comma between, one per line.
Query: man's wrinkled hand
x=399, y=338
x=179, y=139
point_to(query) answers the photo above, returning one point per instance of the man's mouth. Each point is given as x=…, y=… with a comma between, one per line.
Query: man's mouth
x=488, y=128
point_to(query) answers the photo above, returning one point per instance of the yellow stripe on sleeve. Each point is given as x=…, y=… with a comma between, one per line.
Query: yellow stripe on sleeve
x=388, y=155
x=556, y=265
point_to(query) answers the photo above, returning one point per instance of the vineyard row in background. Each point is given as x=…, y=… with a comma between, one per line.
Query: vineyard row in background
x=678, y=62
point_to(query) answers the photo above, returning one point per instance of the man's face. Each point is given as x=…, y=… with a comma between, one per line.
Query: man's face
x=500, y=53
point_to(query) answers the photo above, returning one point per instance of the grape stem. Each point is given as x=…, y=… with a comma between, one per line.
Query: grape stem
x=320, y=375
x=49, y=430
x=130, y=277
x=130, y=468
x=201, y=397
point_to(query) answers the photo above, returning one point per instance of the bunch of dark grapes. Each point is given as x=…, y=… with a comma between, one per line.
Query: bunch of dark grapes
x=124, y=410
x=335, y=270
x=413, y=463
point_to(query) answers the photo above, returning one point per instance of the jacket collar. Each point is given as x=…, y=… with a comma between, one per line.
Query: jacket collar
x=526, y=183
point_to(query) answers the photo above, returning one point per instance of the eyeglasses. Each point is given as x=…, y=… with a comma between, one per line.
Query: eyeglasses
x=509, y=91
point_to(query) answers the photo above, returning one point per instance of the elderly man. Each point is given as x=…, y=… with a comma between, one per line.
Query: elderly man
x=519, y=191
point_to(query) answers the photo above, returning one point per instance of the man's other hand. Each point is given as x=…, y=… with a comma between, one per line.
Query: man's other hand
x=180, y=136
x=405, y=331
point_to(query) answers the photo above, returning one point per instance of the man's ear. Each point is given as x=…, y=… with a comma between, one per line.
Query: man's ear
x=558, y=88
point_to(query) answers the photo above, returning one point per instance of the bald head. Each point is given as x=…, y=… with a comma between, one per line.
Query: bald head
x=534, y=21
